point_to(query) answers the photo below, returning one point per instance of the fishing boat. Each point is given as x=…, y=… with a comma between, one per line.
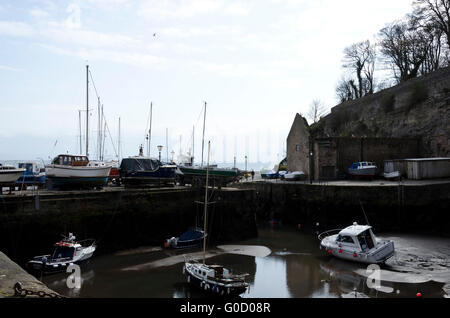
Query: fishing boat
x=68, y=251
x=191, y=238
x=214, y=279
x=76, y=171
x=33, y=175
x=362, y=170
x=9, y=175
x=196, y=175
x=141, y=170
x=356, y=243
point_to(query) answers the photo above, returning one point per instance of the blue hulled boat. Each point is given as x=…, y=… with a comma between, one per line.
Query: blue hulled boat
x=33, y=175
x=191, y=238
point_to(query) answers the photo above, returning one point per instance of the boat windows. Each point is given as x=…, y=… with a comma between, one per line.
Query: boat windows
x=63, y=252
x=365, y=240
x=345, y=239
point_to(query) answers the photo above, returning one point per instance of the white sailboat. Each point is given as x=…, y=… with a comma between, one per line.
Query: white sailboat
x=214, y=278
x=76, y=171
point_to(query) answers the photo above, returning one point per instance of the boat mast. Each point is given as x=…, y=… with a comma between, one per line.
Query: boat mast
x=167, y=145
x=150, y=129
x=87, y=110
x=79, y=124
x=206, y=207
x=203, y=138
x=193, y=150
x=118, y=143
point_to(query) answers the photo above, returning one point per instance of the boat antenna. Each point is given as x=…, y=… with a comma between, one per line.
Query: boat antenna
x=203, y=138
x=150, y=130
x=365, y=216
x=206, y=206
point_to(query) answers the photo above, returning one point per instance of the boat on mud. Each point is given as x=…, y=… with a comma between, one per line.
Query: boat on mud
x=214, y=279
x=356, y=243
x=191, y=238
x=68, y=251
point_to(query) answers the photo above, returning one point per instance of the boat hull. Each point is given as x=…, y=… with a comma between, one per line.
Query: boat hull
x=10, y=176
x=162, y=175
x=378, y=255
x=76, y=177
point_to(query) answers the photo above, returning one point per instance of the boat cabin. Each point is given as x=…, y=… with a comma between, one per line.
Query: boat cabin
x=70, y=160
x=65, y=250
x=357, y=236
x=362, y=165
x=211, y=271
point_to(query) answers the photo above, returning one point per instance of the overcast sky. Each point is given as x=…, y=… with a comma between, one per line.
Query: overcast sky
x=256, y=63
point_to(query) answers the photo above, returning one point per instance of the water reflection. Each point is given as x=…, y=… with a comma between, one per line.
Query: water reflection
x=295, y=268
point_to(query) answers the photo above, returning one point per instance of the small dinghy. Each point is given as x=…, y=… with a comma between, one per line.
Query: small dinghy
x=67, y=252
x=295, y=176
x=191, y=238
x=356, y=243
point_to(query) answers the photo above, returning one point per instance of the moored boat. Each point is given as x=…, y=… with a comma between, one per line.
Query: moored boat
x=76, y=171
x=269, y=174
x=214, y=279
x=191, y=238
x=356, y=243
x=68, y=251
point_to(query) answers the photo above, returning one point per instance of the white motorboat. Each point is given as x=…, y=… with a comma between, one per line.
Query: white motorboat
x=392, y=175
x=9, y=174
x=356, y=243
x=363, y=169
x=69, y=171
x=215, y=279
x=294, y=176
x=67, y=252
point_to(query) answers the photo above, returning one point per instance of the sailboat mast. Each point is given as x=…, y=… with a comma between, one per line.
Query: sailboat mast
x=205, y=211
x=87, y=110
x=118, y=143
x=150, y=129
x=193, y=150
x=79, y=124
x=203, y=138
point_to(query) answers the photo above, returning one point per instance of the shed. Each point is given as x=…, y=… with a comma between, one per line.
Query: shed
x=428, y=168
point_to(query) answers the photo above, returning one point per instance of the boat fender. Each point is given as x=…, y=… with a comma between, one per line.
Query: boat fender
x=184, y=269
x=354, y=254
x=189, y=279
x=228, y=290
x=340, y=251
x=206, y=286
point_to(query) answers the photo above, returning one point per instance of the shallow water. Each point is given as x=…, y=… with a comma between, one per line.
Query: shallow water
x=285, y=264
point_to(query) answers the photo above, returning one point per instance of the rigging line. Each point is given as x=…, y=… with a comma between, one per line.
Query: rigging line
x=93, y=84
x=107, y=128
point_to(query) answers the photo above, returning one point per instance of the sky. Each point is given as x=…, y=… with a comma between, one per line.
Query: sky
x=256, y=63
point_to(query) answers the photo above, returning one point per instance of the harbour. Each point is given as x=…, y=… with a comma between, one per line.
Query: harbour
x=223, y=151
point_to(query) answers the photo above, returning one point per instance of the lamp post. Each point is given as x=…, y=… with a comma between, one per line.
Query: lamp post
x=159, y=149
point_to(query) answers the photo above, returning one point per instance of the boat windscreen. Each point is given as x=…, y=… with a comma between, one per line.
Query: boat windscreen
x=365, y=240
x=63, y=252
x=139, y=164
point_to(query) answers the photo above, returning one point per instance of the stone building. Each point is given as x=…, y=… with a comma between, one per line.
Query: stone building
x=328, y=158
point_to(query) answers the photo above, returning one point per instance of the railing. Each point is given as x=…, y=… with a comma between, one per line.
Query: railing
x=325, y=234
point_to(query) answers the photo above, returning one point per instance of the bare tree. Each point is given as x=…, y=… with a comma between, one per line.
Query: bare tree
x=346, y=90
x=404, y=47
x=437, y=13
x=360, y=59
x=316, y=110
